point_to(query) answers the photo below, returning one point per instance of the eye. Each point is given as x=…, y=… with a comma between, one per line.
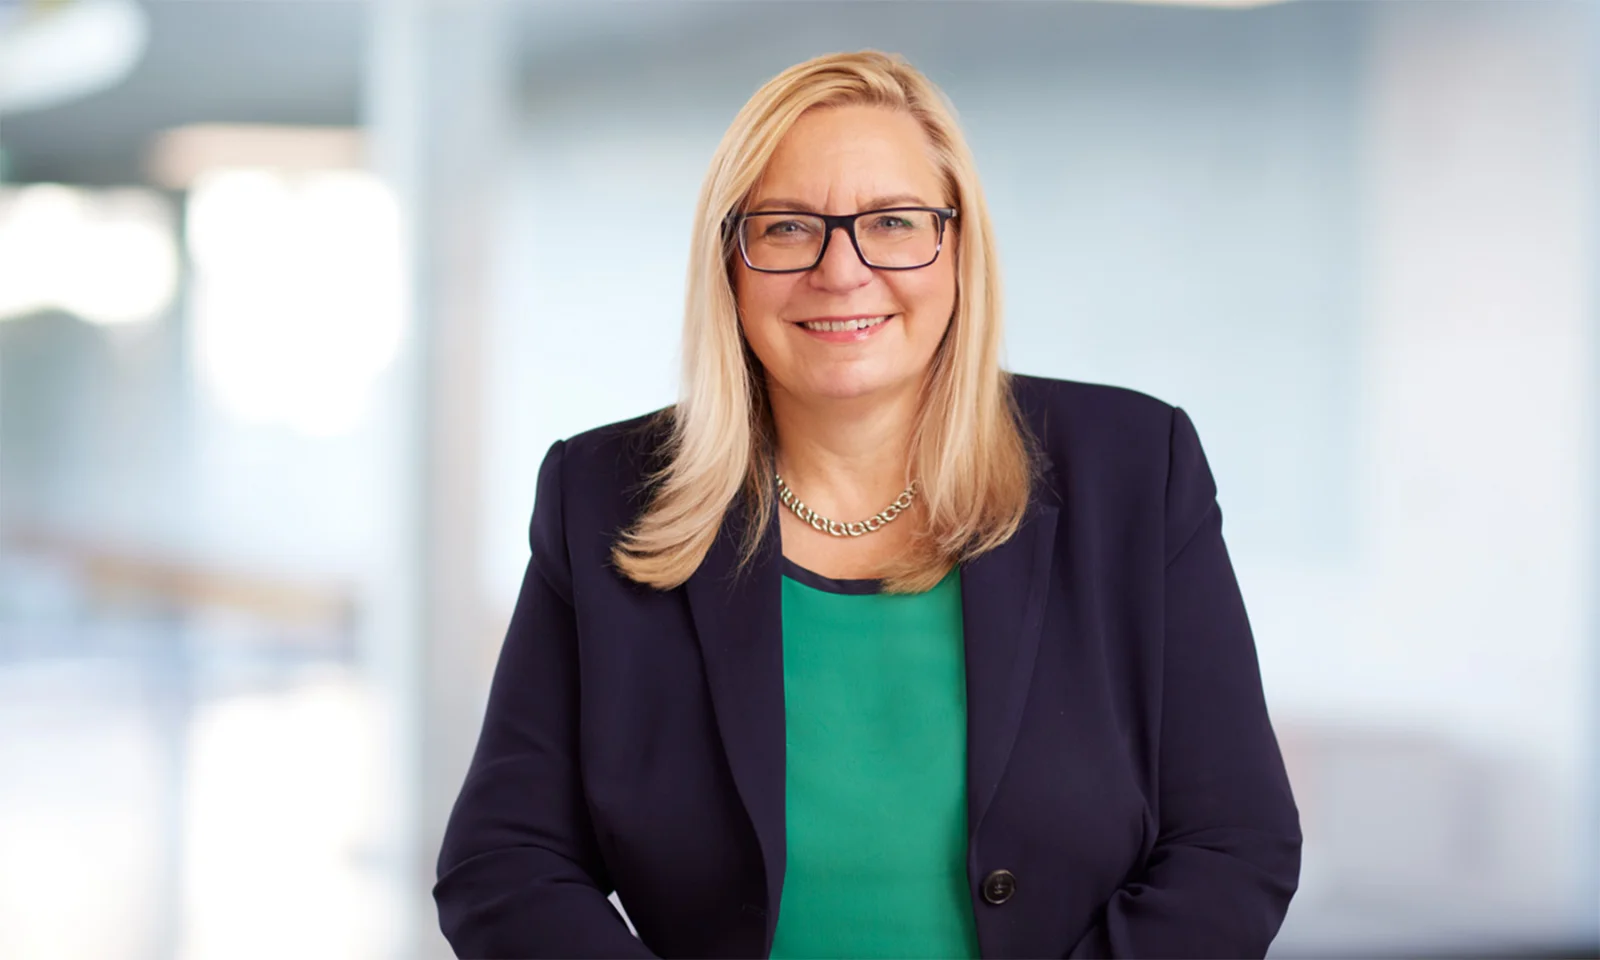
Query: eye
x=779, y=229
x=890, y=222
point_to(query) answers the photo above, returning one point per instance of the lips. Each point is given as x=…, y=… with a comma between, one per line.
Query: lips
x=844, y=326
x=844, y=329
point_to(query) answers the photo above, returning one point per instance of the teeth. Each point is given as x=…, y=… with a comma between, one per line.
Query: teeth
x=840, y=326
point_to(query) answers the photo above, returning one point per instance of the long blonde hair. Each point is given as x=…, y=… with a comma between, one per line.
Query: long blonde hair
x=969, y=450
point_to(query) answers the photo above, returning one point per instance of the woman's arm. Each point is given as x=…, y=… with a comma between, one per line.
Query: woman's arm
x=520, y=874
x=1227, y=859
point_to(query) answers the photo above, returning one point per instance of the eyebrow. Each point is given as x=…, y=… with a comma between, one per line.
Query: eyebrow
x=876, y=203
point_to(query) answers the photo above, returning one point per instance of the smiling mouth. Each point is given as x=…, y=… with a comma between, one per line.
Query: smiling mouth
x=844, y=326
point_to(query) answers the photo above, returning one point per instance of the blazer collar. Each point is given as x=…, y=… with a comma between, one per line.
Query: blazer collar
x=739, y=622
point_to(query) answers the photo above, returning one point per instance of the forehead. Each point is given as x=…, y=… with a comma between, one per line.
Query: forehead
x=835, y=158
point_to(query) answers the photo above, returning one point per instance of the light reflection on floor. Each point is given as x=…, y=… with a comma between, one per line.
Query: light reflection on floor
x=79, y=787
x=280, y=802
x=150, y=808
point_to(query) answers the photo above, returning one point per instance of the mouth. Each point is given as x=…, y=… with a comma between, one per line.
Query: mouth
x=845, y=329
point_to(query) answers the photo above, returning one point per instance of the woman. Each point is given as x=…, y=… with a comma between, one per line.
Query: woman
x=865, y=647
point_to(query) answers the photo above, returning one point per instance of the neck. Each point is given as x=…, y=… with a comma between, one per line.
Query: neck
x=844, y=458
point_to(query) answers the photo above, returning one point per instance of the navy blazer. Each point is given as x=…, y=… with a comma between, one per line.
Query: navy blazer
x=1120, y=761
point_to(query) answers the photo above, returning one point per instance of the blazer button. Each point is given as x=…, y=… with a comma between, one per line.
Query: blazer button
x=999, y=886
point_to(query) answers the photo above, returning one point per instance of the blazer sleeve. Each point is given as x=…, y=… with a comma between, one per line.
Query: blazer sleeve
x=1227, y=856
x=520, y=873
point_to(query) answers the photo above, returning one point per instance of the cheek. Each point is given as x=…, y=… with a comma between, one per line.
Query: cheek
x=931, y=296
x=755, y=294
x=758, y=301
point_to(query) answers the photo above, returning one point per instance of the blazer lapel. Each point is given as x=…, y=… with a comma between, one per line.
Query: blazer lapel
x=1003, y=596
x=739, y=623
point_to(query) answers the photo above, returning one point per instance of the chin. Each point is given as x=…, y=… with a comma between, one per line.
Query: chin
x=854, y=385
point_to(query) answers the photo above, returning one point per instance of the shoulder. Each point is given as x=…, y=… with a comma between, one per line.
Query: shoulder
x=624, y=451
x=1076, y=421
x=1077, y=396
x=1109, y=446
x=604, y=473
x=590, y=487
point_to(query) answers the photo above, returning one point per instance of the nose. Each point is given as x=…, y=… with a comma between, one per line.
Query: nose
x=840, y=269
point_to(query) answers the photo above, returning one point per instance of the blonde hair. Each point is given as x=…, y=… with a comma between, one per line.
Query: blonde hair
x=969, y=450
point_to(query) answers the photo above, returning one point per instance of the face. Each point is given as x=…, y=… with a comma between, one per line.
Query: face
x=842, y=160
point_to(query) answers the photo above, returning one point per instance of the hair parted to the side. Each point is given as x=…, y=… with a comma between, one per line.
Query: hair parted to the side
x=970, y=454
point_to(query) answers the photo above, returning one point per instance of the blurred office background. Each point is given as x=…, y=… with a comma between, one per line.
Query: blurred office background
x=294, y=297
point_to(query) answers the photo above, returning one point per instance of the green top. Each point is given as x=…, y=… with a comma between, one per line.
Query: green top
x=876, y=800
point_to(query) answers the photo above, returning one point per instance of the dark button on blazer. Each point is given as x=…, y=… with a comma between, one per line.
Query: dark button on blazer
x=1125, y=792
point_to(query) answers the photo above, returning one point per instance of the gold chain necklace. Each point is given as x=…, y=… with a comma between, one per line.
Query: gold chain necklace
x=872, y=524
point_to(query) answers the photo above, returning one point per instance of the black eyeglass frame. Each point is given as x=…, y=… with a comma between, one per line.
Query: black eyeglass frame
x=846, y=221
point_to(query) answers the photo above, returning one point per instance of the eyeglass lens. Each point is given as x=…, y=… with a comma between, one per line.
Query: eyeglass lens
x=887, y=238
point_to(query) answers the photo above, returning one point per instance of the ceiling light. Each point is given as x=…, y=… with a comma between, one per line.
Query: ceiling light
x=52, y=53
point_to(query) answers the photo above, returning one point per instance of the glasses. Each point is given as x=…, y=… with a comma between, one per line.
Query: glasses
x=788, y=241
